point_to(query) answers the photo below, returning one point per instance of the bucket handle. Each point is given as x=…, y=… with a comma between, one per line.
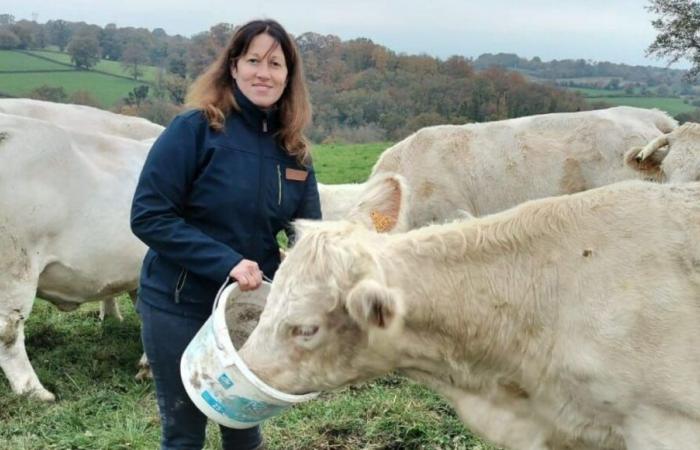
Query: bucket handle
x=225, y=284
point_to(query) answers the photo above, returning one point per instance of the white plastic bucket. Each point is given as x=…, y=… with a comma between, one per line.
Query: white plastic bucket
x=216, y=378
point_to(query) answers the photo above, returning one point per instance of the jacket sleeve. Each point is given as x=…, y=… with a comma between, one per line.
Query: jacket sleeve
x=157, y=211
x=310, y=207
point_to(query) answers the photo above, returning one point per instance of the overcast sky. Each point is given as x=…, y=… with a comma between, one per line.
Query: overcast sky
x=599, y=30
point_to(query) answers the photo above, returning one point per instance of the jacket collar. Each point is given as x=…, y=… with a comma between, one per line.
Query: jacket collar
x=261, y=120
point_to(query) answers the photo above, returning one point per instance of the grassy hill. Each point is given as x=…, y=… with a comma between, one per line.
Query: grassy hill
x=22, y=72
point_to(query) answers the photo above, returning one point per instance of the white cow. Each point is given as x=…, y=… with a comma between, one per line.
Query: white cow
x=565, y=323
x=86, y=119
x=64, y=227
x=82, y=118
x=482, y=168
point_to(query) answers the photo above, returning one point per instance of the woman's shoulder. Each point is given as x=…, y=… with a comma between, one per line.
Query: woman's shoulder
x=194, y=118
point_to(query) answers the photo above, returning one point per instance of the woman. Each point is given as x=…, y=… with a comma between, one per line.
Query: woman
x=217, y=186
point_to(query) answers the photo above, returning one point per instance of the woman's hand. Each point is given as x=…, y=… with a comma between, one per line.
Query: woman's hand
x=247, y=274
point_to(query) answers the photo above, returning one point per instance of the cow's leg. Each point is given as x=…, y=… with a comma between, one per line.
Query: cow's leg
x=15, y=305
x=144, y=372
x=110, y=307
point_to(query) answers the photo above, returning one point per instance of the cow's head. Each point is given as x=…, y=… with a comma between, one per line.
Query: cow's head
x=329, y=319
x=672, y=157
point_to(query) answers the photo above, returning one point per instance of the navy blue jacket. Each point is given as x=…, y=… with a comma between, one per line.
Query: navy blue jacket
x=206, y=199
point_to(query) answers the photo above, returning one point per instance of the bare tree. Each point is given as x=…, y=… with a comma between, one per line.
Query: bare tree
x=678, y=24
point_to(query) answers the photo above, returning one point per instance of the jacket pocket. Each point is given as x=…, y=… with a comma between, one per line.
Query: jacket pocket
x=151, y=258
x=181, y=280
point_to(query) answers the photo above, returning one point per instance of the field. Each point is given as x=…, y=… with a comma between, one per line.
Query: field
x=90, y=366
x=672, y=105
x=107, y=88
x=113, y=67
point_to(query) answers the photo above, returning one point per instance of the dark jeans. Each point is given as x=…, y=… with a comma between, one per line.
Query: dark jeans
x=165, y=337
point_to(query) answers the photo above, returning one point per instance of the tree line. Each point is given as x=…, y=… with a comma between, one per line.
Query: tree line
x=360, y=91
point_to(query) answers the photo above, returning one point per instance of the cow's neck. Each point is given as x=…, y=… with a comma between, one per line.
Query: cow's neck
x=470, y=310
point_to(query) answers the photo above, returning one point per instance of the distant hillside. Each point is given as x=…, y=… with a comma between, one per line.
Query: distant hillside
x=589, y=72
x=360, y=91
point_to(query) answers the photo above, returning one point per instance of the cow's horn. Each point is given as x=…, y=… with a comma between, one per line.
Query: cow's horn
x=651, y=147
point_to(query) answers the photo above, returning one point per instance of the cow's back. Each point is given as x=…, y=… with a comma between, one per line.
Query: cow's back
x=489, y=167
x=82, y=118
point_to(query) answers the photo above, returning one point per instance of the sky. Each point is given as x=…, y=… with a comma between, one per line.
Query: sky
x=598, y=30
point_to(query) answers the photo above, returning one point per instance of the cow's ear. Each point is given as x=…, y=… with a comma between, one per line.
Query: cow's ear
x=383, y=204
x=372, y=305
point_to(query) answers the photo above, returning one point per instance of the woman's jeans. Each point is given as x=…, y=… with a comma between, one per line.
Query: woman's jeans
x=165, y=337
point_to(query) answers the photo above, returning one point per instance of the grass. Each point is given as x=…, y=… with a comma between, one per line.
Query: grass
x=107, y=90
x=19, y=61
x=114, y=67
x=671, y=105
x=342, y=163
x=90, y=366
x=593, y=92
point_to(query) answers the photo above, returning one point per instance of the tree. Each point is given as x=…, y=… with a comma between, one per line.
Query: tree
x=49, y=93
x=58, y=33
x=25, y=32
x=134, y=56
x=137, y=96
x=205, y=46
x=110, y=43
x=458, y=67
x=176, y=87
x=7, y=19
x=84, y=50
x=8, y=39
x=678, y=24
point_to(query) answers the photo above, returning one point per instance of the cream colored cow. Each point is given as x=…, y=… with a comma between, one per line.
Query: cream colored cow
x=483, y=168
x=565, y=323
x=82, y=118
x=64, y=227
x=86, y=119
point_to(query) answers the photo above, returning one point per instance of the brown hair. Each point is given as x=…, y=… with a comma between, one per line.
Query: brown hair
x=212, y=91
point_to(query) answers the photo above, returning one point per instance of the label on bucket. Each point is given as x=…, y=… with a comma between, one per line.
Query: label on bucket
x=242, y=409
x=225, y=381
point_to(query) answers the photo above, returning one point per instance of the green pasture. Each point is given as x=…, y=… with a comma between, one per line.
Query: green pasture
x=338, y=163
x=107, y=90
x=90, y=366
x=671, y=105
x=19, y=61
x=595, y=92
x=114, y=67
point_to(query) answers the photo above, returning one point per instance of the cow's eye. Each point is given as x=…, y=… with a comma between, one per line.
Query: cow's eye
x=305, y=331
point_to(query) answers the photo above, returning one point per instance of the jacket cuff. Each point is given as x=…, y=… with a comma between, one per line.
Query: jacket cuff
x=221, y=272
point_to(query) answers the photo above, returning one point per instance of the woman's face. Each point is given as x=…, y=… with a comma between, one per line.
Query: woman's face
x=261, y=73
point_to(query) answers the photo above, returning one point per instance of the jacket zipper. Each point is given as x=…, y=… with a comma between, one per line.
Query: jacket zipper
x=180, y=284
x=279, y=185
x=264, y=128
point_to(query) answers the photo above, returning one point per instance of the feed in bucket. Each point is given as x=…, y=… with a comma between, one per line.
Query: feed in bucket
x=216, y=378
